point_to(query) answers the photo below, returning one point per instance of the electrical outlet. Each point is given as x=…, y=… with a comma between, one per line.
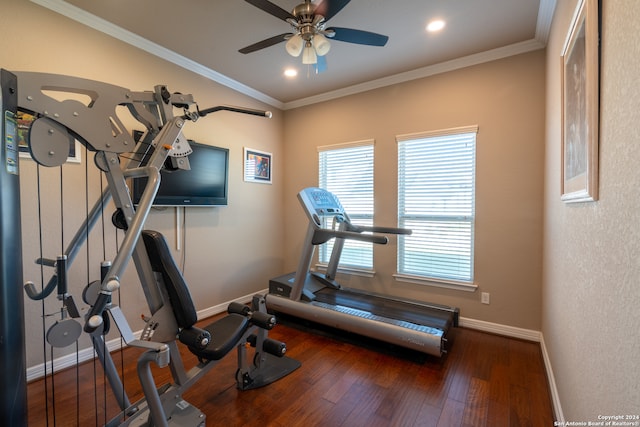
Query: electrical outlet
x=485, y=298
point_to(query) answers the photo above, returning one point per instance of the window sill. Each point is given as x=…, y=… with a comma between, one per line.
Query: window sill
x=348, y=270
x=438, y=283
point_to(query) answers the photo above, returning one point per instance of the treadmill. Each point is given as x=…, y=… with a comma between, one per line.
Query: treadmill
x=320, y=298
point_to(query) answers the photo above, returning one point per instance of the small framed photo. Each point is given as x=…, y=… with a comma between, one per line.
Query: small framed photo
x=257, y=166
x=580, y=105
x=24, y=124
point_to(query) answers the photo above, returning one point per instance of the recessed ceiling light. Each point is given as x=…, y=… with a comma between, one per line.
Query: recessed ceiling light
x=290, y=72
x=435, y=25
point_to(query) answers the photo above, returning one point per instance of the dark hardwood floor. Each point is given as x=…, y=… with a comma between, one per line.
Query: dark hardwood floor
x=485, y=380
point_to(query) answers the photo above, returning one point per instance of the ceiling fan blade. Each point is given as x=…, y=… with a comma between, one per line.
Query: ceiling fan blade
x=350, y=35
x=272, y=9
x=265, y=43
x=321, y=65
x=329, y=8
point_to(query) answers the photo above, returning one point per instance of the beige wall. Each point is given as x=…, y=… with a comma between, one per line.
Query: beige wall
x=230, y=251
x=591, y=293
x=505, y=98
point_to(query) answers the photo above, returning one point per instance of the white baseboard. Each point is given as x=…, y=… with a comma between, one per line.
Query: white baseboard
x=526, y=334
x=555, y=396
x=70, y=360
x=498, y=329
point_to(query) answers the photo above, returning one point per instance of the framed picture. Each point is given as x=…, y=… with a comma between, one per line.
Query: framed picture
x=24, y=124
x=257, y=166
x=580, y=105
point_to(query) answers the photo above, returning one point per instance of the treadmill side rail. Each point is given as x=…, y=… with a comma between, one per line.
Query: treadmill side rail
x=431, y=342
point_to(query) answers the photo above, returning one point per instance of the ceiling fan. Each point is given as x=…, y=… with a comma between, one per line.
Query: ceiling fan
x=309, y=37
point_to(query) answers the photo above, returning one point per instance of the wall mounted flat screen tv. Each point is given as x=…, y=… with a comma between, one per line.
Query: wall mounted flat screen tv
x=206, y=184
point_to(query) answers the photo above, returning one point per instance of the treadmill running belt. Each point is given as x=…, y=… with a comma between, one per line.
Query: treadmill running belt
x=421, y=315
x=366, y=315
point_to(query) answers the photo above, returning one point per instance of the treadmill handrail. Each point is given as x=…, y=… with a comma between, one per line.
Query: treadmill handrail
x=323, y=235
x=377, y=229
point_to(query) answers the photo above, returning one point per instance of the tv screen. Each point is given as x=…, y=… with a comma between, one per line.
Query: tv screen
x=204, y=185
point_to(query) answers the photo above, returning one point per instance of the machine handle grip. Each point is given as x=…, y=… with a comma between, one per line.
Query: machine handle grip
x=59, y=279
x=94, y=317
x=47, y=262
x=243, y=110
x=61, y=272
x=32, y=292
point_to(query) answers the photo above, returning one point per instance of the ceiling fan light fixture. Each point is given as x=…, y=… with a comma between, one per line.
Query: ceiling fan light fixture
x=309, y=54
x=321, y=44
x=295, y=45
x=308, y=35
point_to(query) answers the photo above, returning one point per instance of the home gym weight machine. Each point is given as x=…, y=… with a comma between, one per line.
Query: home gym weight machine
x=97, y=126
x=320, y=298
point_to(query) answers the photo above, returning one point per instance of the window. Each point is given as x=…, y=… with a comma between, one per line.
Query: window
x=436, y=199
x=346, y=170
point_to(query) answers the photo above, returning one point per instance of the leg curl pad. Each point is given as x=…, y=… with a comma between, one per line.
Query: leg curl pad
x=195, y=337
x=263, y=320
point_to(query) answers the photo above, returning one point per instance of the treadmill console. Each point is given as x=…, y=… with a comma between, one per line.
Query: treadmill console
x=318, y=203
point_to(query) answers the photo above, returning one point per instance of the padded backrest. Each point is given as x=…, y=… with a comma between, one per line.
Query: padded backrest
x=162, y=262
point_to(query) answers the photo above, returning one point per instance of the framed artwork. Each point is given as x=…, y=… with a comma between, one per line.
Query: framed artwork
x=580, y=105
x=257, y=166
x=24, y=124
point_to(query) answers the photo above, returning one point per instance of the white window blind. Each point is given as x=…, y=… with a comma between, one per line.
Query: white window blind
x=346, y=170
x=436, y=199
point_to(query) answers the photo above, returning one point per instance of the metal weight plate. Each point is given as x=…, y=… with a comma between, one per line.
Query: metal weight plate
x=49, y=142
x=91, y=291
x=64, y=333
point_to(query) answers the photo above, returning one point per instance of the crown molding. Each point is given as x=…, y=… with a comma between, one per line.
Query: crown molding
x=545, y=17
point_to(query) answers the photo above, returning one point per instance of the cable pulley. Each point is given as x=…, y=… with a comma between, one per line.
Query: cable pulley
x=49, y=142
